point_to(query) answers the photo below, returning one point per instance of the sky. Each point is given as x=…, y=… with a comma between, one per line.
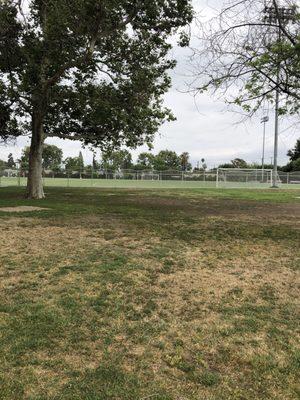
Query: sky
x=205, y=126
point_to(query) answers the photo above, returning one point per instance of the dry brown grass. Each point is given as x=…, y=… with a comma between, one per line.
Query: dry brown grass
x=19, y=209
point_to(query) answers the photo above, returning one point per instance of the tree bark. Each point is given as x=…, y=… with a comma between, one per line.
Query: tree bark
x=35, y=180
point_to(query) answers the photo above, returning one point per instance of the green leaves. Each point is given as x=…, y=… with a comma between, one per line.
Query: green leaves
x=100, y=69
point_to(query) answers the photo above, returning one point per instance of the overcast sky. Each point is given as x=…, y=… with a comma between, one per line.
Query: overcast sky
x=205, y=127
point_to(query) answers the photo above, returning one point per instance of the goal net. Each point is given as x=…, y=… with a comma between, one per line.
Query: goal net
x=149, y=176
x=238, y=177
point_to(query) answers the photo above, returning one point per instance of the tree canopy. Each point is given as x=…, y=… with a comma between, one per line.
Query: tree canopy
x=166, y=160
x=74, y=163
x=145, y=161
x=86, y=70
x=250, y=50
x=116, y=160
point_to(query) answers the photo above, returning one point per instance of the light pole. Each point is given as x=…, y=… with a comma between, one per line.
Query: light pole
x=279, y=16
x=264, y=120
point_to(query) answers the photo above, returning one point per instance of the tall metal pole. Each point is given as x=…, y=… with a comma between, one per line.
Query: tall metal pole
x=264, y=120
x=263, y=154
x=275, y=165
x=276, y=133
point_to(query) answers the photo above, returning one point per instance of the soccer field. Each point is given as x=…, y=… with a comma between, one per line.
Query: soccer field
x=120, y=294
x=140, y=184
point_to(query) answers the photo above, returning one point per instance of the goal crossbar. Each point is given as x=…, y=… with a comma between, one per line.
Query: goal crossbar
x=244, y=177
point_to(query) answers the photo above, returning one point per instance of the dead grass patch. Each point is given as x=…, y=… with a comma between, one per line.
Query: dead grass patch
x=19, y=209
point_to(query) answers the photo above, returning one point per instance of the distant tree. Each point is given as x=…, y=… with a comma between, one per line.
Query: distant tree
x=96, y=164
x=239, y=163
x=226, y=165
x=145, y=161
x=89, y=169
x=2, y=165
x=52, y=157
x=24, y=160
x=10, y=162
x=81, y=161
x=167, y=160
x=294, y=153
x=203, y=164
x=73, y=164
x=116, y=160
x=296, y=165
x=184, y=161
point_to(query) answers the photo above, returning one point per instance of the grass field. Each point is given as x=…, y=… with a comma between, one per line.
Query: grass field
x=140, y=184
x=112, y=183
x=155, y=294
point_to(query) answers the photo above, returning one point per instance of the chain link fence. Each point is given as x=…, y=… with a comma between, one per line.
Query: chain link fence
x=146, y=179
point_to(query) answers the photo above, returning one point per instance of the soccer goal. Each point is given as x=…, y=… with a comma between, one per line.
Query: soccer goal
x=238, y=177
x=149, y=176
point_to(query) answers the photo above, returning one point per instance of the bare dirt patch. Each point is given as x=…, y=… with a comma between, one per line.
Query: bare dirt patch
x=22, y=209
x=220, y=207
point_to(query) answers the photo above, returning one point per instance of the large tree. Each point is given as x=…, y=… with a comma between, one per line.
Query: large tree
x=88, y=70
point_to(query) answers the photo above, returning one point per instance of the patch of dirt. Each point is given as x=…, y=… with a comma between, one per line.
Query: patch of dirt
x=226, y=208
x=197, y=290
x=22, y=209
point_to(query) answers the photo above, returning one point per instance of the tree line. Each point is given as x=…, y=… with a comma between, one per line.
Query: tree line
x=292, y=165
x=165, y=160
x=111, y=161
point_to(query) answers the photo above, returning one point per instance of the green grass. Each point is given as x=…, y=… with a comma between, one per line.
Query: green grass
x=150, y=294
x=138, y=184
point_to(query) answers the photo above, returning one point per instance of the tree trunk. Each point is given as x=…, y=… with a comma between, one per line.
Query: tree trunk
x=35, y=180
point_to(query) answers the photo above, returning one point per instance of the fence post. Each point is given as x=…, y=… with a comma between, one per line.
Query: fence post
x=288, y=177
x=271, y=176
x=217, y=179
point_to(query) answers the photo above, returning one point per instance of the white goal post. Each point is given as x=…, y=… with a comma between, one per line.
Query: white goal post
x=243, y=177
x=148, y=176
